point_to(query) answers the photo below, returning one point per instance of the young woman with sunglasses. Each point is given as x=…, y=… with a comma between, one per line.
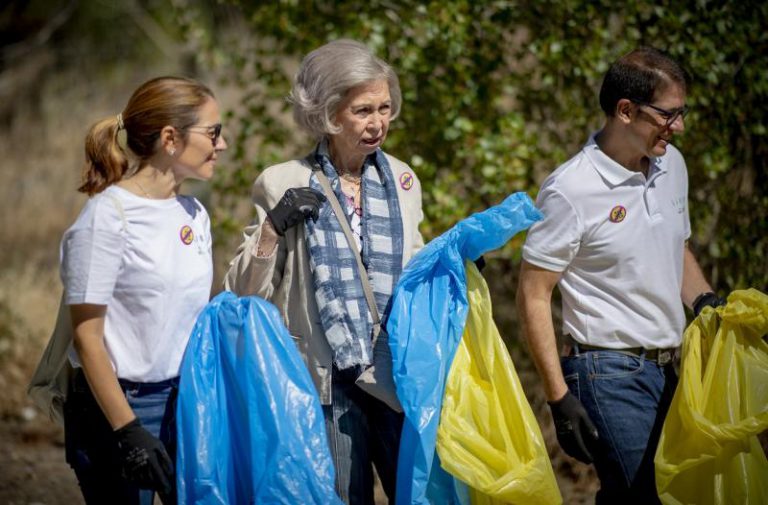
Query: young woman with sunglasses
x=136, y=267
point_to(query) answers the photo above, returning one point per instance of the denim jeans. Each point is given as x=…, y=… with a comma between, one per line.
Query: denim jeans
x=89, y=442
x=627, y=398
x=361, y=431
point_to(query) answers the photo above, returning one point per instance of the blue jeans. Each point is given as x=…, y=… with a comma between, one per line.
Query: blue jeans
x=89, y=442
x=627, y=398
x=361, y=431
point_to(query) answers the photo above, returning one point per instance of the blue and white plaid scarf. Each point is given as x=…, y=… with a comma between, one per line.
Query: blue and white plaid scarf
x=339, y=293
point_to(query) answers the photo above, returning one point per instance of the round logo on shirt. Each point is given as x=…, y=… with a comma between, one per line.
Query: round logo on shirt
x=186, y=234
x=406, y=181
x=618, y=214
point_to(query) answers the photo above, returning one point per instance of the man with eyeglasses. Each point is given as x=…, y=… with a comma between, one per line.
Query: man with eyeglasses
x=614, y=240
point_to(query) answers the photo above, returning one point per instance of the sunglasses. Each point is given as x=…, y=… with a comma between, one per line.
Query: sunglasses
x=213, y=131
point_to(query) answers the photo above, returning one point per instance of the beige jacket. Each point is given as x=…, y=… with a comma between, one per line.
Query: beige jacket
x=285, y=279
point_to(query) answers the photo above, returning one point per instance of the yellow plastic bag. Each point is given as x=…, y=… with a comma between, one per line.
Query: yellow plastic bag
x=488, y=436
x=709, y=452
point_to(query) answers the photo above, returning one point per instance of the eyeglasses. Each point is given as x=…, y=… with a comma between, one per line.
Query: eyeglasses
x=213, y=132
x=669, y=116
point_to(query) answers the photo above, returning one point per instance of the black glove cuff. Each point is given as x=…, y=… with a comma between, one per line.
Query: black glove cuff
x=277, y=224
x=128, y=427
x=708, y=299
x=557, y=403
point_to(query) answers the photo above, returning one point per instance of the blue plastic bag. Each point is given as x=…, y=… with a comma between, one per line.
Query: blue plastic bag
x=429, y=310
x=250, y=424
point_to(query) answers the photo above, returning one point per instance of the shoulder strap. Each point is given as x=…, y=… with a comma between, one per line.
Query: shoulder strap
x=342, y=218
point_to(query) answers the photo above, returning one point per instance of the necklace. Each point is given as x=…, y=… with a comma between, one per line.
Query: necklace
x=341, y=168
x=141, y=188
x=352, y=179
x=353, y=196
x=355, y=182
x=353, y=204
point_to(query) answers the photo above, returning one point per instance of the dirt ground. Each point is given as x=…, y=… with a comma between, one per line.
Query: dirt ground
x=32, y=466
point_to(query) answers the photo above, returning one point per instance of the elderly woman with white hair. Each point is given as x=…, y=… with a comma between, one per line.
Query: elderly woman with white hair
x=301, y=253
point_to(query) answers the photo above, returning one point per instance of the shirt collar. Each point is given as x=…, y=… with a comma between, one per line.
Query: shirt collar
x=613, y=172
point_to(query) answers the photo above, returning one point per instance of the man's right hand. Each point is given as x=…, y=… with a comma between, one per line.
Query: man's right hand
x=573, y=426
x=296, y=205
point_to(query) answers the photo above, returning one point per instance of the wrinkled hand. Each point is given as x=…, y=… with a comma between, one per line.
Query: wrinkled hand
x=294, y=207
x=708, y=299
x=145, y=461
x=573, y=426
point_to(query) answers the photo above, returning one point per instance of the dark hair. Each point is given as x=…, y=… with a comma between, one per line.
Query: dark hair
x=157, y=103
x=637, y=76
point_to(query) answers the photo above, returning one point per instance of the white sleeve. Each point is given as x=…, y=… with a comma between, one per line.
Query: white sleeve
x=205, y=223
x=553, y=242
x=92, y=253
x=687, y=217
x=208, y=231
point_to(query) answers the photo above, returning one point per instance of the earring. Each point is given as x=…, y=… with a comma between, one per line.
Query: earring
x=171, y=151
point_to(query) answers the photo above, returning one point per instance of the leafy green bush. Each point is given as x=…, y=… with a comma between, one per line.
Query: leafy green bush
x=498, y=93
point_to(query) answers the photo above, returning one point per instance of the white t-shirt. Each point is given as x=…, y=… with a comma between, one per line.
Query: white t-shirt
x=618, y=239
x=153, y=270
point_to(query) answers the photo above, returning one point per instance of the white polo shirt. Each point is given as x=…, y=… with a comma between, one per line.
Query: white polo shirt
x=151, y=267
x=618, y=239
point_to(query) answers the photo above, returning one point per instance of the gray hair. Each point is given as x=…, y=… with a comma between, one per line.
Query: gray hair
x=327, y=74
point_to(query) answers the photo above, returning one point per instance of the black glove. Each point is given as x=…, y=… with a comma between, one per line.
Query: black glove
x=708, y=299
x=144, y=460
x=294, y=207
x=573, y=426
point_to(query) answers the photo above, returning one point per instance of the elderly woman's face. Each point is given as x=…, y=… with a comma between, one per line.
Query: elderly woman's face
x=363, y=116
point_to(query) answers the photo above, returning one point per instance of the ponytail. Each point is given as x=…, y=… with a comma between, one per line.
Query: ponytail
x=105, y=160
x=117, y=147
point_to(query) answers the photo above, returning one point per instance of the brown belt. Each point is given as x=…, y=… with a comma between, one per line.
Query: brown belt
x=660, y=356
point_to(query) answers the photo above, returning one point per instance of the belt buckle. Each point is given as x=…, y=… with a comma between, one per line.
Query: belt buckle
x=664, y=357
